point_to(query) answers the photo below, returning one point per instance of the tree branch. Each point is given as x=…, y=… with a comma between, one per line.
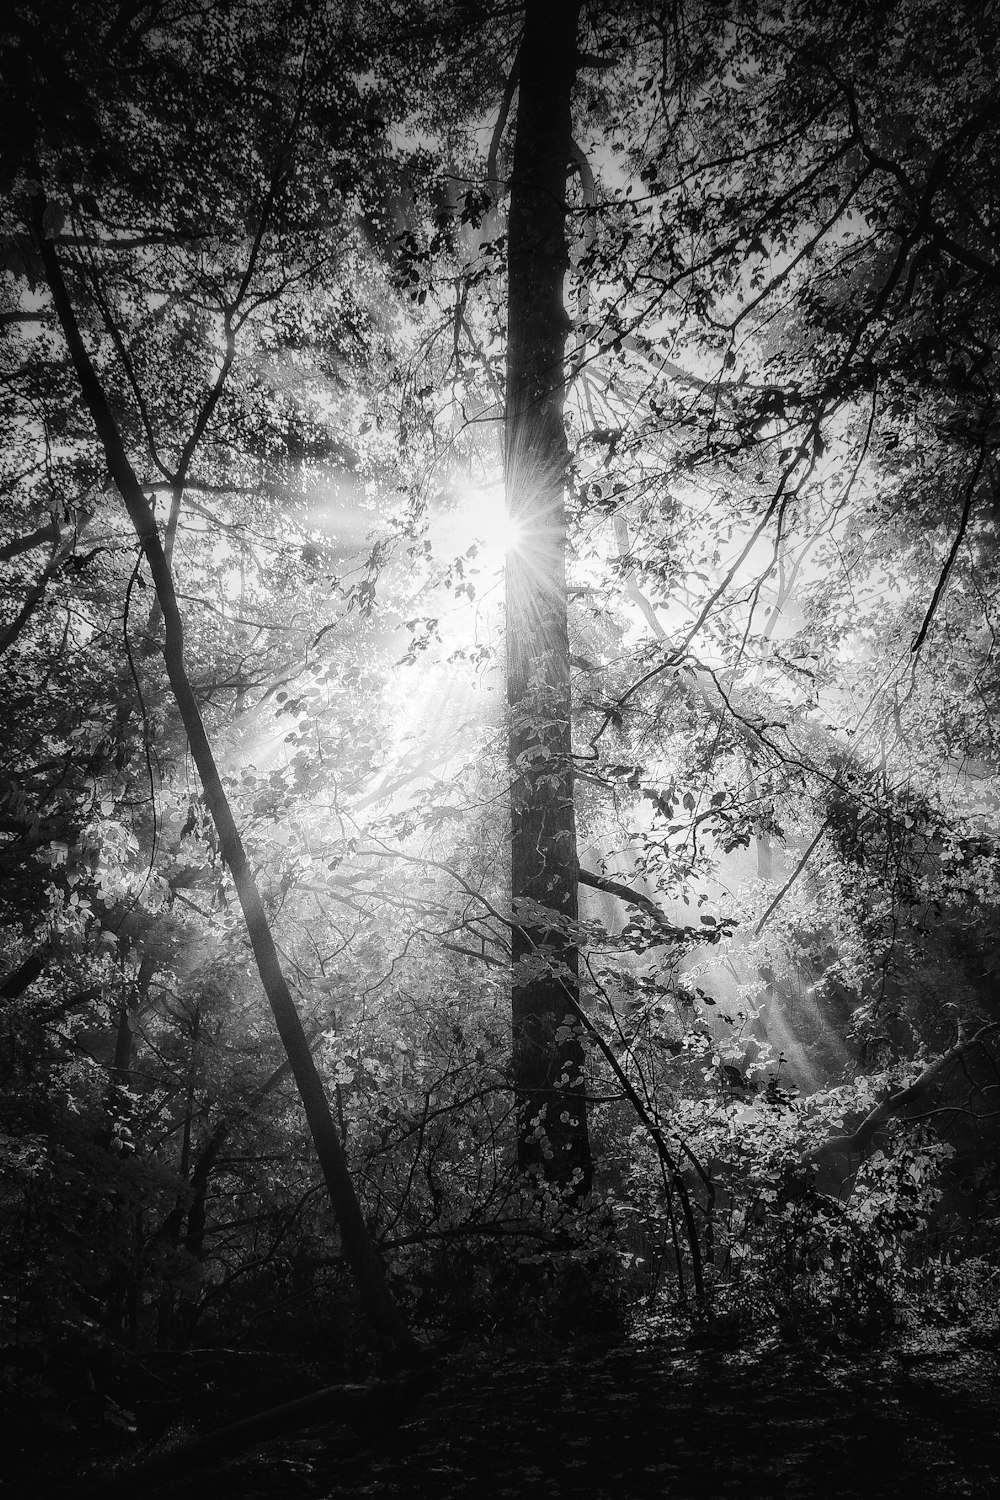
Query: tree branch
x=857, y=1142
x=631, y=898
x=970, y=493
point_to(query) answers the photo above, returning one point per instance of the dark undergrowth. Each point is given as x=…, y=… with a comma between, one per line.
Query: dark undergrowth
x=669, y=1406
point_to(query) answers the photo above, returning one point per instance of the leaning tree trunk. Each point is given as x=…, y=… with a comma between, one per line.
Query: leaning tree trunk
x=553, y=1143
x=359, y=1250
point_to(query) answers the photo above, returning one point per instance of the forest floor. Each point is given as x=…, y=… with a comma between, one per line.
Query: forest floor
x=917, y=1417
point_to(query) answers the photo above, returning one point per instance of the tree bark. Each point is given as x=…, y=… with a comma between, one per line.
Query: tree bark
x=553, y=1141
x=24, y=976
x=359, y=1251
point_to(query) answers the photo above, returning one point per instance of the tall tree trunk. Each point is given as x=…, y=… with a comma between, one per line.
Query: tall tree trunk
x=553, y=1143
x=359, y=1250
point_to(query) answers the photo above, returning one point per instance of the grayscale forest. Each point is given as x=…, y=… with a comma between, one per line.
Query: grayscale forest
x=499, y=793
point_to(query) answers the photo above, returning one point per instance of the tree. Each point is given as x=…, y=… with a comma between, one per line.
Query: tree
x=250, y=271
x=548, y=1045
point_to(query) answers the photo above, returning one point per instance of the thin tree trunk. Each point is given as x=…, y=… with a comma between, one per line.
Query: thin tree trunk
x=553, y=1142
x=130, y=1006
x=359, y=1251
x=205, y=1162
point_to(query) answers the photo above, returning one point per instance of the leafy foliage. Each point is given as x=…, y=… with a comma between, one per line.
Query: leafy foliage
x=284, y=237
